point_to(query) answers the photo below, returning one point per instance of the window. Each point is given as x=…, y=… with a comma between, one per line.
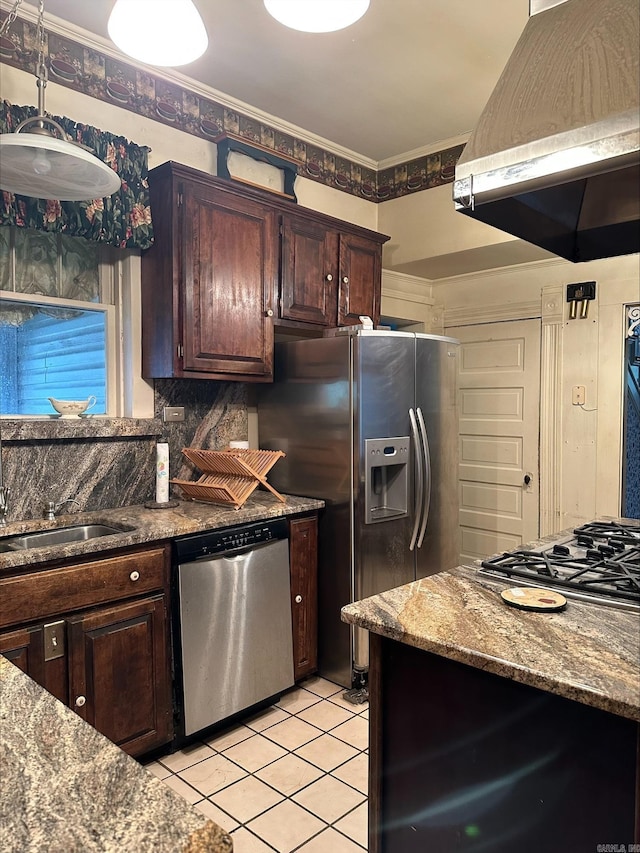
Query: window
x=57, y=322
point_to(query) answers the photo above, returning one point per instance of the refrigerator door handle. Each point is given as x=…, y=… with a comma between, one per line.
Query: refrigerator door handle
x=426, y=459
x=419, y=501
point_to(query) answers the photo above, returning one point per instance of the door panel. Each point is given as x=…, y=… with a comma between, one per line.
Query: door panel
x=499, y=408
x=360, y=270
x=309, y=272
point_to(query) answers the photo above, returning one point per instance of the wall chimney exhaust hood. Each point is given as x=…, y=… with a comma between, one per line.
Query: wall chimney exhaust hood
x=555, y=157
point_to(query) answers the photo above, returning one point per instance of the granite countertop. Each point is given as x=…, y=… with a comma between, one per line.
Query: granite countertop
x=65, y=787
x=588, y=653
x=148, y=525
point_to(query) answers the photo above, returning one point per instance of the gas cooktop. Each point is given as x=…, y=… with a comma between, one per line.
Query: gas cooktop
x=599, y=563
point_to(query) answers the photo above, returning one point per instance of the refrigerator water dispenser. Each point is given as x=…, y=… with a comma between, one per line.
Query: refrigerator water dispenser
x=386, y=478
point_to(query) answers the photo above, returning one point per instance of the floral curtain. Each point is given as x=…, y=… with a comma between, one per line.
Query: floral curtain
x=122, y=220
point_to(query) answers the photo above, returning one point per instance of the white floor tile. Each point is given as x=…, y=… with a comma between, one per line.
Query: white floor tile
x=212, y=812
x=286, y=826
x=246, y=842
x=157, y=769
x=330, y=841
x=187, y=756
x=247, y=798
x=289, y=774
x=321, y=686
x=229, y=738
x=328, y=798
x=355, y=772
x=267, y=718
x=355, y=825
x=325, y=715
x=297, y=700
x=254, y=752
x=213, y=774
x=326, y=752
x=292, y=733
x=355, y=732
x=180, y=787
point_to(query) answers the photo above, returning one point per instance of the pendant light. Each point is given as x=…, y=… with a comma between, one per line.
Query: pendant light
x=317, y=16
x=39, y=160
x=158, y=32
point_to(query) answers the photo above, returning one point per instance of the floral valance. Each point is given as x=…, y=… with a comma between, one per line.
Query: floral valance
x=122, y=220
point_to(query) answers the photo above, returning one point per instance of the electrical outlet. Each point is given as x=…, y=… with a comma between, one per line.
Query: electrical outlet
x=578, y=396
x=173, y=413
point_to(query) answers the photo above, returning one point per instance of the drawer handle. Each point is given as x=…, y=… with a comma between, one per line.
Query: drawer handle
x=80, y=701
x=298, y=599
x=134, y=576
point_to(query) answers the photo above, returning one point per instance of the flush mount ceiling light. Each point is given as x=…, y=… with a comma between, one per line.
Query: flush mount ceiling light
x=317, y=16
x=39, y=160
x=158, y=32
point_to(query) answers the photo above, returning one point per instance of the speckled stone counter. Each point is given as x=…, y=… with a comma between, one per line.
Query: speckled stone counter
x=587, y=653
x=64, y=788
x=148, y=525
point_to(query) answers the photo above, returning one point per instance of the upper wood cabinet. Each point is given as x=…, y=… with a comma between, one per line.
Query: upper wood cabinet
x=329, y=276
x=208, y=281
x=230, y=262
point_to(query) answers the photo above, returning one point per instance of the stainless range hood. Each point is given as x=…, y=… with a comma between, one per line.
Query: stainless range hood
x=555, y=157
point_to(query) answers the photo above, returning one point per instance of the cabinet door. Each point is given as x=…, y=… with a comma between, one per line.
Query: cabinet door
x=303, y=560
x=360, y=279
x=309, y=272
x=25, y=649
x=230, y=247
x=119, y=679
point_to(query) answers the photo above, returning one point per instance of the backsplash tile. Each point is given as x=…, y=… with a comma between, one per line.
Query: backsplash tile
x=44, y=460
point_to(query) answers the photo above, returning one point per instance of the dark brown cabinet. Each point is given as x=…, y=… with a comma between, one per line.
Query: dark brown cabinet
x=329, y=276
x=230, y=262
x=208, y=282
x=303, y=564
x=95, y=635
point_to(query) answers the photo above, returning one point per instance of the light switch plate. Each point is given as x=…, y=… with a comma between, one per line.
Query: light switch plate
x=173, y=413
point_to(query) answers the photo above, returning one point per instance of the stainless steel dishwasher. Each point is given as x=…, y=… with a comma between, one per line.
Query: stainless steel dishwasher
x=234, y=621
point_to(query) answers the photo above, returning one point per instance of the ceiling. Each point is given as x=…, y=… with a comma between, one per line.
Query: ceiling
x=411, y=74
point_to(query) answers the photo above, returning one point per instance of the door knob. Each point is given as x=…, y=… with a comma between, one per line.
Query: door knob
x=329, y=277
x=134, y=576
x=345, y=279
x=80, y=701
x=527, y=479
x=298, y=599
x=269, y=312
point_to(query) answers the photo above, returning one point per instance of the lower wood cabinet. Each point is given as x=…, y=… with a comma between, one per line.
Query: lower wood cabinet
x=109, y=663
x=303, y=563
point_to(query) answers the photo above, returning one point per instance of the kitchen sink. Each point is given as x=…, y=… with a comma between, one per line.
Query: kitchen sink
x=59, y=536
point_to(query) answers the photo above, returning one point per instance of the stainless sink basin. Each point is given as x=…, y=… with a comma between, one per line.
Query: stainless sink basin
x=59, y=536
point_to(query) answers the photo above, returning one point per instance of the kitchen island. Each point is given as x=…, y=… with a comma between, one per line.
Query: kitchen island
x=65, y=787
x=497, y=729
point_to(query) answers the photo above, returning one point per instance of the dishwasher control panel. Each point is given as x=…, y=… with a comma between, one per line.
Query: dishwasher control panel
x=230, y=539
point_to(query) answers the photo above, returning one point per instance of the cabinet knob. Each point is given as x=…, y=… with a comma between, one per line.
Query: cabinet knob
x=269, y=312
x=329, y=277
x=298, y=599
x=134, y=576
x=345, y=279
x=80, y=701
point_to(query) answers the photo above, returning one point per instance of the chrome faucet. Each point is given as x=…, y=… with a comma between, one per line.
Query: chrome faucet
x=51, y=507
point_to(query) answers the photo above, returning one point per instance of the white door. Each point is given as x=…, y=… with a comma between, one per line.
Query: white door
x=499, y=408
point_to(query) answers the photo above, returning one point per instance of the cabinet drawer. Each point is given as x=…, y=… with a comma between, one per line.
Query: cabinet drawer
x=52, y=591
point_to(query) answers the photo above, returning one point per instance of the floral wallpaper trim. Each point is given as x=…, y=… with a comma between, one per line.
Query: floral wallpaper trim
x=95, y=74
x=122, y=219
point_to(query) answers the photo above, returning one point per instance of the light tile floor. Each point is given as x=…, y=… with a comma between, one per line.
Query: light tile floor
x=293, y=777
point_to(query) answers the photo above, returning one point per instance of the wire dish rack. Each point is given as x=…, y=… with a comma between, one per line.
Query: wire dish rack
x=229, y=476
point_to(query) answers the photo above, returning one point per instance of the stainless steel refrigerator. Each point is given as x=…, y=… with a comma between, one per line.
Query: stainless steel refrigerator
x=368, y=422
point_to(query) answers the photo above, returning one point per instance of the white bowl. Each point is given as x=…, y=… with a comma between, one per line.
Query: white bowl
x=72, y=408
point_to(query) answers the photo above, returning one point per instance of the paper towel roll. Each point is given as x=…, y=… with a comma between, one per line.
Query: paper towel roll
x=162, y=472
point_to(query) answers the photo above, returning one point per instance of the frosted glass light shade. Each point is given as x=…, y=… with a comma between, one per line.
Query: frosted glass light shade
x=46, y=167
x=317, y=16
x=158, y=32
